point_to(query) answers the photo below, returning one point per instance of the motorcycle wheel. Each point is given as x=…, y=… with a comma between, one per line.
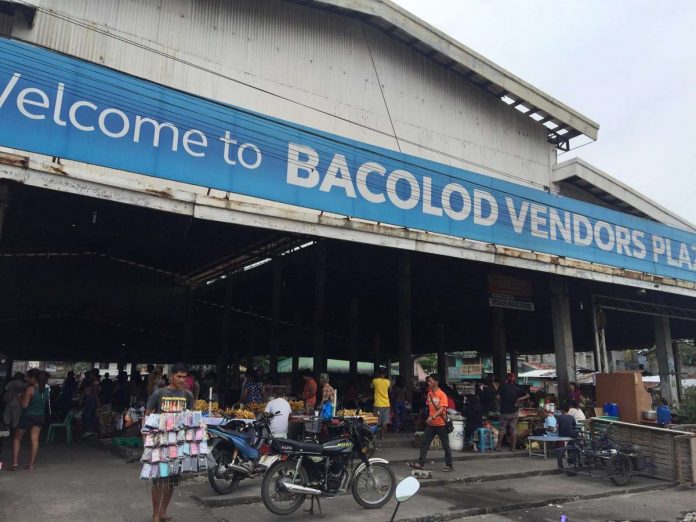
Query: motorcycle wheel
x=567, y=461
x=373, y=490
x=620, y=469
x=279, y=502
x=220, y=485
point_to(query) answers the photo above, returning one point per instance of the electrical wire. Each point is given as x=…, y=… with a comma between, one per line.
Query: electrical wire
x=322, y=138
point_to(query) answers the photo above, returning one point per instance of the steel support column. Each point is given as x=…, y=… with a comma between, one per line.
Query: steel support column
x=404, y=313
x=562, y=335
x=665, y=360
x=441, y=355
x=275, y=317
x=319, y=304
x=499, y=343
x=354, y=331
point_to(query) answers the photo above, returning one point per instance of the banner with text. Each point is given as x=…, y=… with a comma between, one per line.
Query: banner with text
x=62, y=106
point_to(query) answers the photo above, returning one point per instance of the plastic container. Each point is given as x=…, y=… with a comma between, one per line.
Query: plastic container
x=456, y=438
x=611, y=409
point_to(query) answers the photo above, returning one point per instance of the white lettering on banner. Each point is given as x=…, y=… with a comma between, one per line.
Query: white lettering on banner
x=455, y=188
x=59, y=106
x=538, y=219
x=345, y=176
x=156, y=130
x=361, y=181
x=479, y=197
x=72, y=115
x=189, y=139
x=338, y=175
x=414, y=190
x=428, y=207
x=9, y=88
x=517, y=219
x=23, y=101
x=308, y=165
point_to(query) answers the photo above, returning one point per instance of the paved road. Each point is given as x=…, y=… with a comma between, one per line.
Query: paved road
x=82, y=483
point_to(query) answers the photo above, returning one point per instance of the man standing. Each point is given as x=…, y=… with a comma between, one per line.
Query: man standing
x=510, y=397
x=279, y=424
x=173, y=398
x=437, y=415
x=309, y=394
x=380, y=385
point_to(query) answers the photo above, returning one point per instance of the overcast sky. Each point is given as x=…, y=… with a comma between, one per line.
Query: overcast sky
x=630, y=65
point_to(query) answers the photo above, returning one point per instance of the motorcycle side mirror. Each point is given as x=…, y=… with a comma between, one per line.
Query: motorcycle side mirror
x=404, y=491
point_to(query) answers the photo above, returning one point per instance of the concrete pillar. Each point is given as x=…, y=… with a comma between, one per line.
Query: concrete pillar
x=562, y=335
x=296, y=347
x=665, y=360
x=319, y=303
x=678, y=370
x=4, y=204
x=353, y=334
x=275, y=317
x=188, y=326
x=499, y=343
x=376, y=352
x=223, y=359
x=441, y=355
x=514, y=367
x=404, y=314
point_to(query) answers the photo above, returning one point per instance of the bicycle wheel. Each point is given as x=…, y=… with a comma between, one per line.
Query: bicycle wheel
x=620, y=469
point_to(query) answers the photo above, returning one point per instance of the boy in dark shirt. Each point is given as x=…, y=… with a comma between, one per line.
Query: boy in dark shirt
x=566, y=423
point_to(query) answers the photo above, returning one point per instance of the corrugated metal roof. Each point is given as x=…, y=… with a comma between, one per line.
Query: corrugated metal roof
x=562, y=123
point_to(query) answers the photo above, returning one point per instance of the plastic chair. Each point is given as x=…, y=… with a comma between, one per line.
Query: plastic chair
x=67, y=424
x=485, y=439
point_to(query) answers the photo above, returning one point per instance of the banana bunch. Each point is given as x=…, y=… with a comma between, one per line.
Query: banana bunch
x=347, y=413
x=240, y=414
x=202, y=405
x=297, y=405
x=256, y=408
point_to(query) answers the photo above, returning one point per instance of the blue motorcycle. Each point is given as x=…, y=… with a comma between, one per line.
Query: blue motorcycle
x=235, y=452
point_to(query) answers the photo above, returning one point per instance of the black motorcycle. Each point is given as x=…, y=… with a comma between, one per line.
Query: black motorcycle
x=326, y=470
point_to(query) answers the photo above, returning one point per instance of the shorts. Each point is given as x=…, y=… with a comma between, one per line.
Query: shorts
x=508, y=422
x=382, y=415
x=29, y=421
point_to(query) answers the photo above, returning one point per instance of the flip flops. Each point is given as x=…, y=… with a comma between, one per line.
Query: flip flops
x=415, y=465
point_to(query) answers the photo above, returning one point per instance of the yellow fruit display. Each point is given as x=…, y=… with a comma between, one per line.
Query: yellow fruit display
x=240, y=414
x=297, y=405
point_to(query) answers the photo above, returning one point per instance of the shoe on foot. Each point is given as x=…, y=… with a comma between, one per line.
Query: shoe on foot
x=448, y=469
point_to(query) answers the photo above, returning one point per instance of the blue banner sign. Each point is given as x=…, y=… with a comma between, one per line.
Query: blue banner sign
x=61, y=106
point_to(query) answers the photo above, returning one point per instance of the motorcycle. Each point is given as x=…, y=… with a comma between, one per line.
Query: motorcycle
x=327, y=470
x=240, y=451
x=318, y=431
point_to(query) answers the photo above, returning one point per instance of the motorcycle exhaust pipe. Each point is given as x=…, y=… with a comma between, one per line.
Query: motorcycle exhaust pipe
x=241, y=470
x=295, y=488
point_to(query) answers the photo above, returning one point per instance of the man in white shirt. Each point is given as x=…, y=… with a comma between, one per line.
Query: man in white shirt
x=279, y=423
x=576, y=412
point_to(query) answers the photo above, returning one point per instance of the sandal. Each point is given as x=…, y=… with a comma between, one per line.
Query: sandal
x=415, y=465
x=448, y=469
x=13, y=468
x=166, y=519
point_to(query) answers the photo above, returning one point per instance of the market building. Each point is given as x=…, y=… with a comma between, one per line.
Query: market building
x=213, y=180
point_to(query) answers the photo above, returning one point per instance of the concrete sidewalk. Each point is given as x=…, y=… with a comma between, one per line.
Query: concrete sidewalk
x=467, y=468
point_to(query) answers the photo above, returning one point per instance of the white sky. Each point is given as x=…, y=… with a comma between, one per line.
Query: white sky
x=630, y=65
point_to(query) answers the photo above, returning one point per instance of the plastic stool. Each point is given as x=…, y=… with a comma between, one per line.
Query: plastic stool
x=485, y=439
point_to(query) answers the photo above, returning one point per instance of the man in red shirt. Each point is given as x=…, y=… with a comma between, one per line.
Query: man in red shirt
x=437, y=416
